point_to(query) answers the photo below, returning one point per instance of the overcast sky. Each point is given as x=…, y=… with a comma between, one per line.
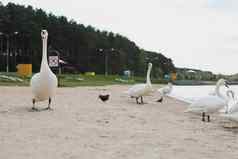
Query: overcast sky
x=199, y=34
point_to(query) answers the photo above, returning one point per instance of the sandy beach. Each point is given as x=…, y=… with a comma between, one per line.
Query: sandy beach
x=82, y=126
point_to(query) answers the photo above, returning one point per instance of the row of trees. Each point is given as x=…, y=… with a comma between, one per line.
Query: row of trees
x=77, y=44
x=194, y=74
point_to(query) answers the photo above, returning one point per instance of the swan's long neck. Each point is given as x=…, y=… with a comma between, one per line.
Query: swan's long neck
x=148, y=82
x=219, y=93
x=44, y=62
x=222, y=97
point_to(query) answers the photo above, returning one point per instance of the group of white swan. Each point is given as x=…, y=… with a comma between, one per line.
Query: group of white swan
x=137, y=91
x=44, y=83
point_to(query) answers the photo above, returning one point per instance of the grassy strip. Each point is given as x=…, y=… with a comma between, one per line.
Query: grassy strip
x=74, y=80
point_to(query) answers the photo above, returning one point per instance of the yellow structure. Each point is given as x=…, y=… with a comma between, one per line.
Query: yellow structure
x=173, y=76
x=24, y=69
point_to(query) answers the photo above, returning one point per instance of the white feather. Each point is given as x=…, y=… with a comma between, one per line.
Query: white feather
x=166, y=90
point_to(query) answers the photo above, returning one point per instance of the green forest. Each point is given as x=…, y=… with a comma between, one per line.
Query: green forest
x=82, y=47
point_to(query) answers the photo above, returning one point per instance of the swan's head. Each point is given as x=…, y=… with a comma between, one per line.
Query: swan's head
x=149, y=65
x=170, y=84
x=221, y=82
x=44, y=34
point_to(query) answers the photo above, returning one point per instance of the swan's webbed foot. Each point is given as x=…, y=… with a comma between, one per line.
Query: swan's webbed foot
x=35, y=109
x=49, y=108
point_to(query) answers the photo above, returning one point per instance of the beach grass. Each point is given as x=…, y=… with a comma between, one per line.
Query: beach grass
x=74, y=80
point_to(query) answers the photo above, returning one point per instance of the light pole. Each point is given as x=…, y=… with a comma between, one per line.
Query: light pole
x=8, y=47
x=1, y=43
x=105, y=51
x=1, y=53
x=7, y=36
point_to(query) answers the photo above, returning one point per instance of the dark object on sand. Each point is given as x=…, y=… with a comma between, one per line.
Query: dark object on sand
x=104, y=98
x=160, y=100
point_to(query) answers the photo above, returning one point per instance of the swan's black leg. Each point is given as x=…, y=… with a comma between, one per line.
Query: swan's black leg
x=137, y=100
x=208, y=118
x=49, y=108
x=141, y=99
x=33, y=107
x=203, y=116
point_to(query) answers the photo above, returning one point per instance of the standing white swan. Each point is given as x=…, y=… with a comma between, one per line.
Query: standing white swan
x=139, y=90
x=211, y=103
x=44, y=83
x=165, y=91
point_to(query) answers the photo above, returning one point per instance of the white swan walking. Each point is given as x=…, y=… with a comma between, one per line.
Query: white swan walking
x=139, y=90
x=211, y=103
x=44, y=83
x=165, y=91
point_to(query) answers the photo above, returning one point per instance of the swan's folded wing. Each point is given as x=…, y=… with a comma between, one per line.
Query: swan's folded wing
x=206, y=104
x=137, y=90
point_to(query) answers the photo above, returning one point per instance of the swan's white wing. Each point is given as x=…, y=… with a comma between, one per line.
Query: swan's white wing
x=207, y=104
x=35, y=83
x=37, y=88
x=137, y=90
x=53, y=83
